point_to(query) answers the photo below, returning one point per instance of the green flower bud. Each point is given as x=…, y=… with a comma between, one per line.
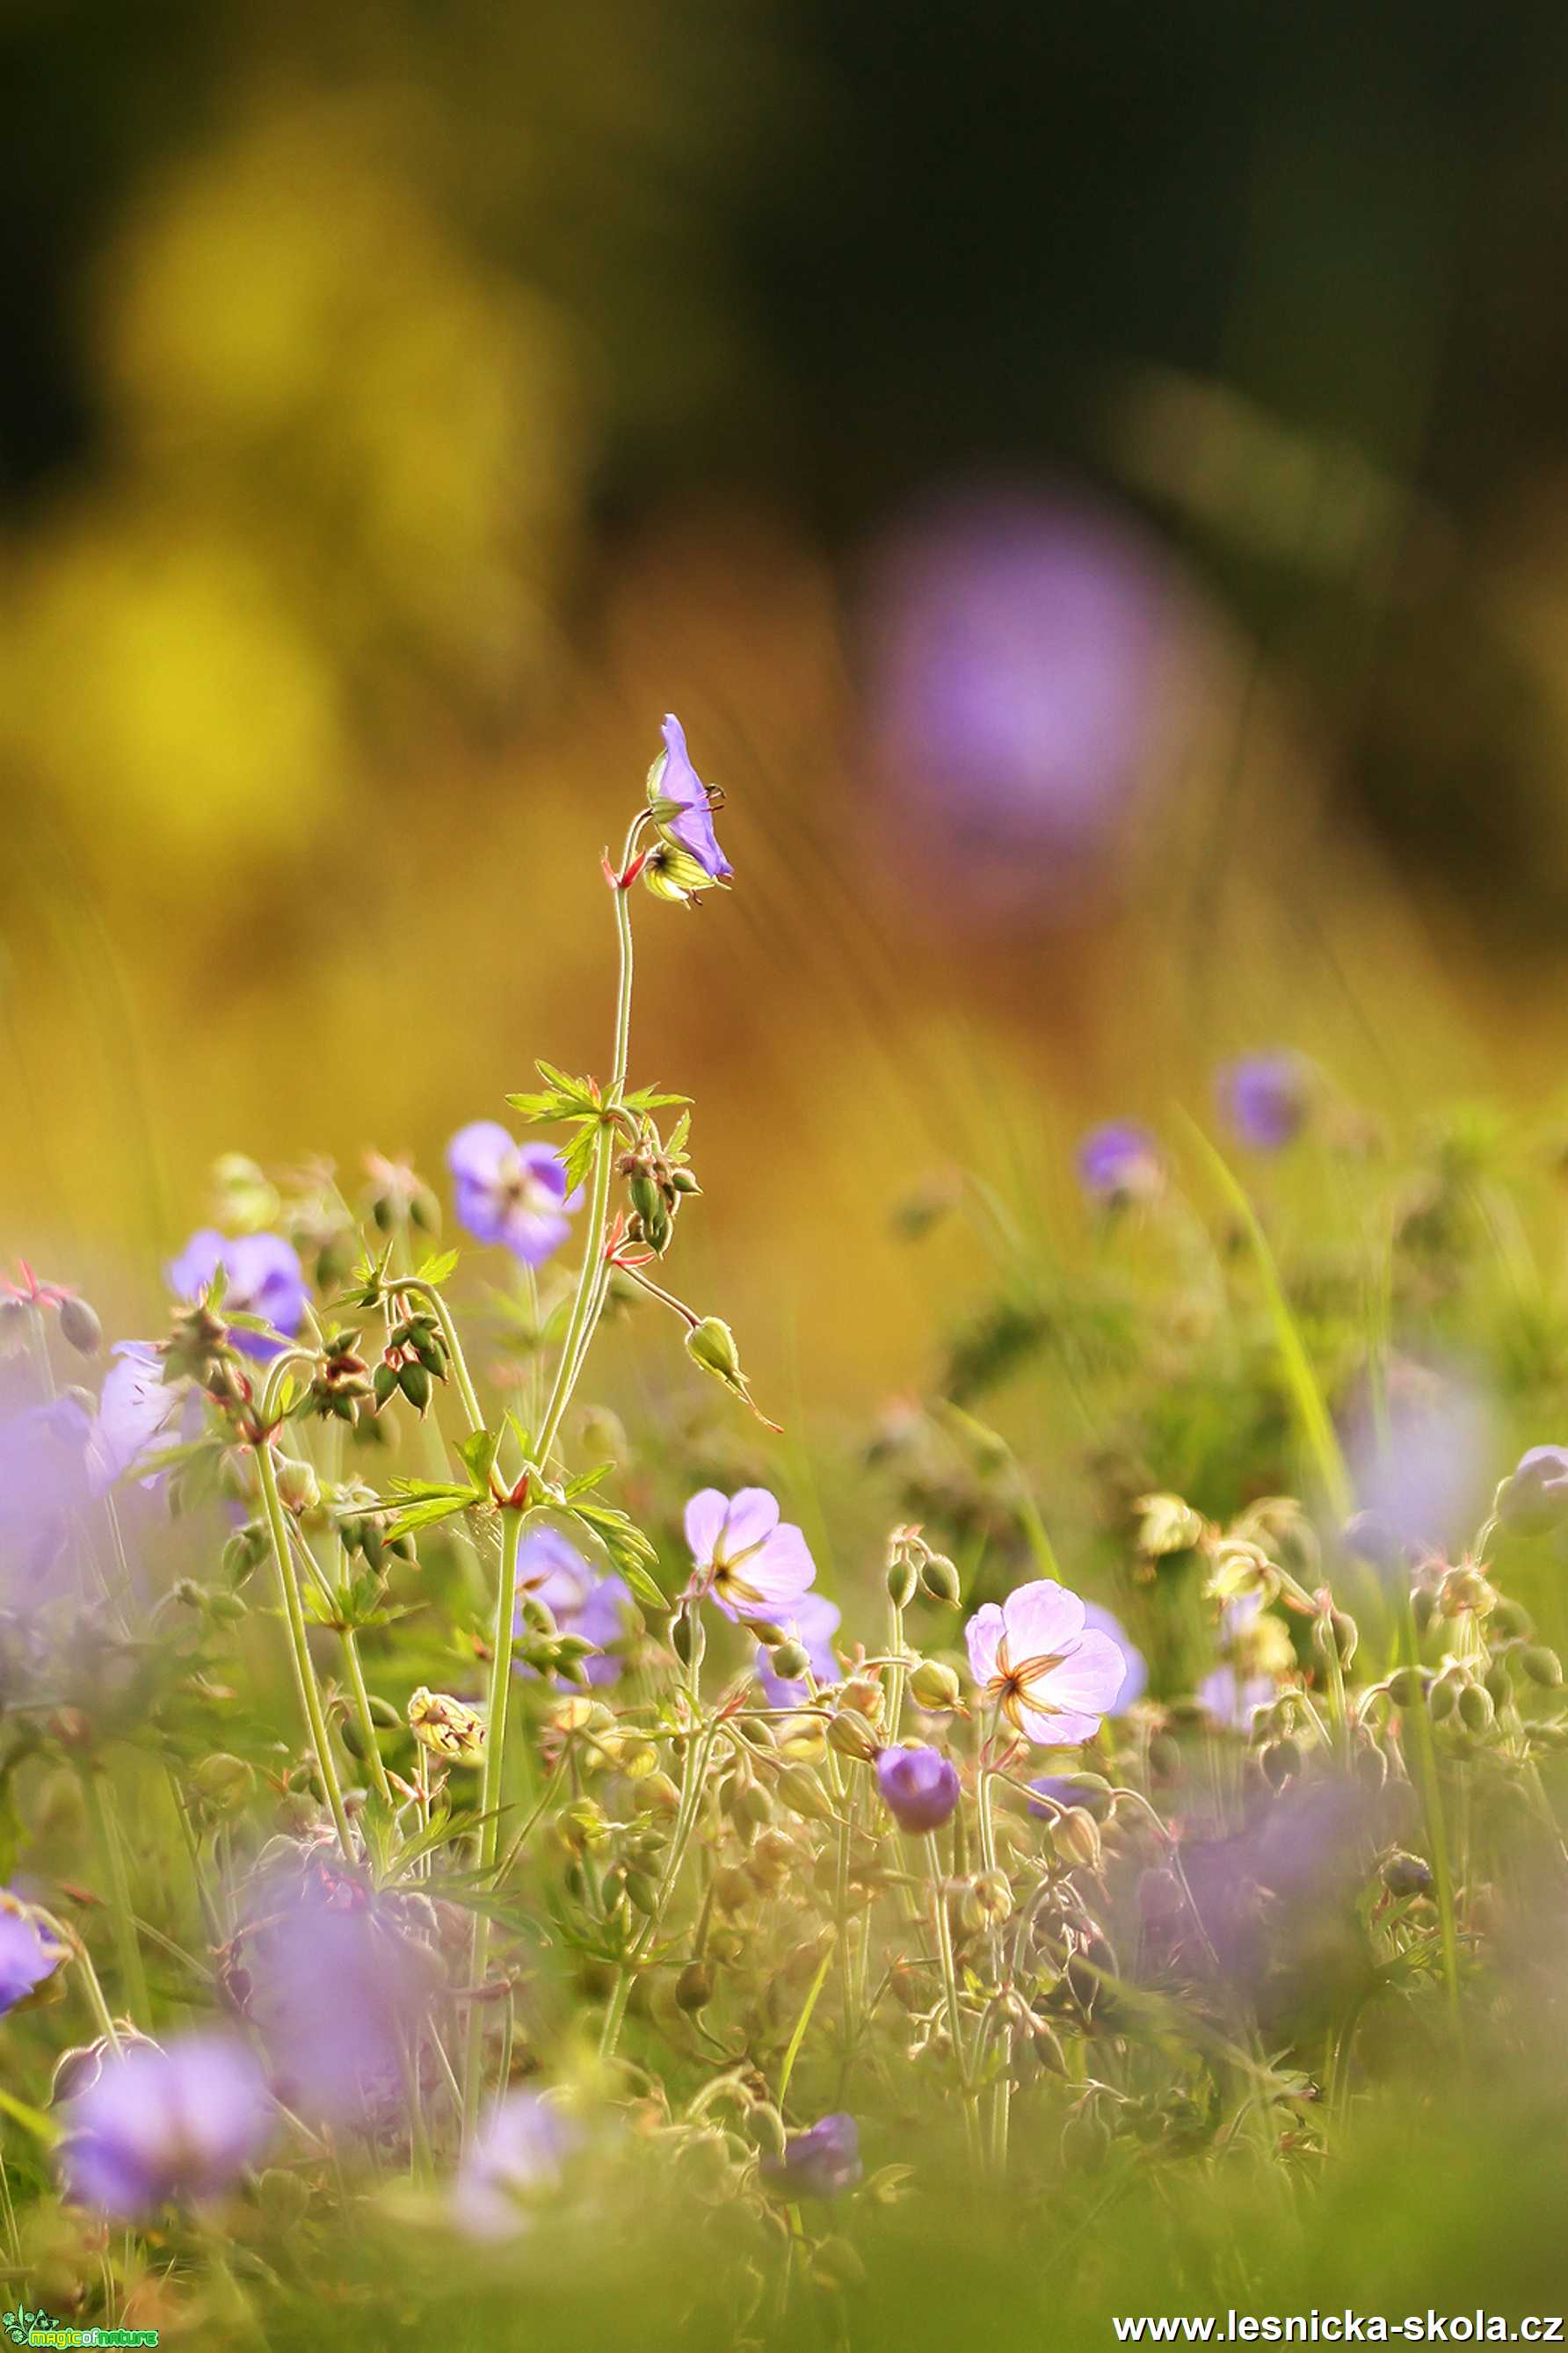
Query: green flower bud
x=941, y=1579
x=1407, y=1686
x=710, y=1345
x=849, y=1733
x=798, y=1787
x=790, y=1661
x=694, y=1987
x=297, y=1484
x=688, y=1637
x=226, y=1782
x=987, y=1901
x=934, y=1686
x=414, y=1380
x=1476, y=1709
x=1075, y=1838
x=903, y=1581
x=1542, y=1665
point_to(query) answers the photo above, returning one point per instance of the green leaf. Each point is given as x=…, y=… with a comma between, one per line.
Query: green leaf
x=477, y=1454
x=629, y=1550
x=436, y=1267
x=420, y=1503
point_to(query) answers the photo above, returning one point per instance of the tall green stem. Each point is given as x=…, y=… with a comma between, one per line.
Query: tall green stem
x=305, y=1685
x=492, y=1789
x=593, y=1283
x=133, y=1977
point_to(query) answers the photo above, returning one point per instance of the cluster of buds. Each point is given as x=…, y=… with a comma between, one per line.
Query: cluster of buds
x=399, y=1197
x=414, y=1359
x=913, y=1565
x=657, y=1183
x=362, y=1528
x=340, y=1385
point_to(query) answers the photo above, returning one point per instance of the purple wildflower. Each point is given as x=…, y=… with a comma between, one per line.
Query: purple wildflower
x=264, y=1278
x=1421, y=1466
x=1232, y=1698
x=519, y=2153
x=672, y=777
x=43, y=1479
x=508, y=1192
x=1119, y=1163
x=29, y=1952
x=1533, y=1499
x=1266, y=1098
x=756, y=1565
x=157, y=2126
x=337, y=1982
x=138, y=1413
x=821, y=2163
x=596, y=1608
x=813, y=1622
x=1053, y=1675
x=919, y=1787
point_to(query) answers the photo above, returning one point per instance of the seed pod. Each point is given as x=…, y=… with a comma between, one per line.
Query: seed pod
x=414, y=1382
x=688, y=1637
x=1498, y=1683
x=383, y=1382
x=1542, y=1665
x=903, y=1581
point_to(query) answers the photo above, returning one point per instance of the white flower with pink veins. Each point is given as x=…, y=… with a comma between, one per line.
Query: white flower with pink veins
x=1053, y=1676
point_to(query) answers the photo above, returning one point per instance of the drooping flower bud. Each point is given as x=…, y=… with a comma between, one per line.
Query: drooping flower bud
x=934, y=1686
x=1533, y=1499
x=711, y=1343
x=941, y=1579
x=851, y=1735
x=80, y=1326
x=447, y=1727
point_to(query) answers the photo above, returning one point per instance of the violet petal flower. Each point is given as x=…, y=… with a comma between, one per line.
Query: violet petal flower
x=1230, y=1698
x=673, y=778
x=265, y=1278
x=813, y=1622
x=510, y=1193
x=43, y=1479
x=1266, y=1098
x=821, y=2163
x=757, y=1565
x=596, y=1608
x=29, y=1953
x=919, y=1787
x=519, y=2152
x=1054, y=1676
x=338, y=1990
x=157, y=2126
x=1533, y=1499
x=138, y=1413
x=1119, y=1163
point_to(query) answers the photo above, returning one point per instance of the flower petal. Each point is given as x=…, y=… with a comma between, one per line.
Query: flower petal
x=984, y=1634
x=1086, y=1682
x=752, y=1516
x=705, y=1516
x=1042, y=1618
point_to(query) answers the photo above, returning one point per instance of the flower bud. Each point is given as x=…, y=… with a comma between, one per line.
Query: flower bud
x=790, y=1661
x=688, y=1637
x=297, y=1484
x=987, y=1901
x=1074, y=1836
x=1533, y=1500
x=1166, y=1524
x=414, y=1380
x=1510, y=1622
x=941, y=1579
x=903, y=1581
x=1444, y=1697
x=1407, y=1686
x=1335, y=1634
x=934, y=1686
x=1476, y=1710
x=80, y=1326
x=1406, y=1875
x=849, y=1733
x=1542, y=1665
x=226, y=1782
x=798, y=1787
x=864, y=1693
x=710, y=1345
x=657, y=1793
x=1280, y=1760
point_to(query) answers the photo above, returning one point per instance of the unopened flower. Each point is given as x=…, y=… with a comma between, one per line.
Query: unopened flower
x=263, y=1277
x=1054, y=1677
x=518, y=2154
x=1166, y=1524
x=681, y=805
x=1119, y=1163
x=1266, y=1098
x=821, y=2163
x=919, y=1787
x=154, y=2126
x=1533, y=1499
x=30, y=1952
x=597, y=1610
x=755, y=1565
x=510, y=1193
x=812, y=1622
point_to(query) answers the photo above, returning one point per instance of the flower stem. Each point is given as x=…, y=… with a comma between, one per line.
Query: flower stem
x=592, y=1282
x=133, y=1977
x=305, y=1684
x=367, y=1720
x=492, y=1791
